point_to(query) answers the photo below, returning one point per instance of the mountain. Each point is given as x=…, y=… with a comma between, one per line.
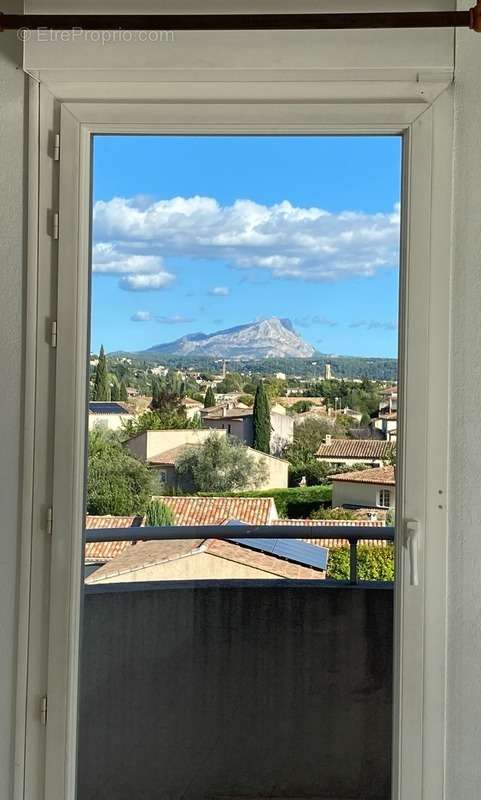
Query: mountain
x=270, y=338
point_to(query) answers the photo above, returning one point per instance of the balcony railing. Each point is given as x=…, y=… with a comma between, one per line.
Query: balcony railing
x=353, y=534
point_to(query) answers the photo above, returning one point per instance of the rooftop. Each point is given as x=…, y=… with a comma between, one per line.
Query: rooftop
x=217, y=510
x=106, y=551
x=246, y=552
x=169, y=457
x=107, y=407
x=355, y=448
x=379, y=475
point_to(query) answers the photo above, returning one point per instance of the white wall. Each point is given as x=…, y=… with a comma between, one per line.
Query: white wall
x=354, y=493
x=12, y=160
x=464, y=633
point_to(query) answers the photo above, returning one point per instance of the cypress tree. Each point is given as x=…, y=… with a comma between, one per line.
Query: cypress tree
x=101, y=381
x=262, y=420
x=115, y=391
x=209, y=399
x=123, y=392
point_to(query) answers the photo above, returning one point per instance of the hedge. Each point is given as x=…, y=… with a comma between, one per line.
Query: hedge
x=373, y=563
x=294, y=503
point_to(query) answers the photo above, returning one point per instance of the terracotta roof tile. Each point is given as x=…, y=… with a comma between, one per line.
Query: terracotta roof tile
x=217, y=510
x=379, y=475
x=106, y=551
x=145, y=554
x=355, y=448
x=152, y=553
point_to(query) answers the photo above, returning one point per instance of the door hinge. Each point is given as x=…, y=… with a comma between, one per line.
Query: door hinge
x=56, y=147
x=49, y=521
x=55, y=224
x=43, y=710
x=53, y=333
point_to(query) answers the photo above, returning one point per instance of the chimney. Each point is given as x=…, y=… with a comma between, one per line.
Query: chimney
x=328, y=439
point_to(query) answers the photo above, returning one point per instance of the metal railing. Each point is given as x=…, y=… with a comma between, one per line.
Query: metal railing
x=353, y=534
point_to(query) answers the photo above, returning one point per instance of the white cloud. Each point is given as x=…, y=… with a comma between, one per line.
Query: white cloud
x=146, y=283
x=173, y=319
x=374, y=324
x=108, y=260
x=283, y=240
x=219, y=291
x=314, y=319
x=141, y=316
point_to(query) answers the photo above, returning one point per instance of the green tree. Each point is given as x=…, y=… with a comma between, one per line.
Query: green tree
x=246, y=399
x=209, y=399
x=221, y=464
x=159, y=515
x=231, y=383
x=158, y=421
x=115, y=390
x=262, y=421
x=118, y=483
x=123, y=392
x=101, y=389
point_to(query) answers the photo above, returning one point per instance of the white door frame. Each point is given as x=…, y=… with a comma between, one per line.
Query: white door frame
x=420, y=615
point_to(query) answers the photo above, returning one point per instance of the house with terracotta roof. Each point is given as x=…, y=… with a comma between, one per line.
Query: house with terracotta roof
x=370, y=488
x=212, y=559
x=162, y=449
x=350, y=452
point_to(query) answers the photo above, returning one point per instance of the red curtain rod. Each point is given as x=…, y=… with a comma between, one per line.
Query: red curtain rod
x=245, y=22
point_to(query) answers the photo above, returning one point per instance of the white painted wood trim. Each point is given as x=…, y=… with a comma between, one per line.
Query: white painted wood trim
x=419, y=739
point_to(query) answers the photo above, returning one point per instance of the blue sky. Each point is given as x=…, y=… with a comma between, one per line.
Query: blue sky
x=203, y=233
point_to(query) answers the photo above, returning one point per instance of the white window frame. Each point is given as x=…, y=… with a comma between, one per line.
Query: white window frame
x=383, y=492
x=50, y=609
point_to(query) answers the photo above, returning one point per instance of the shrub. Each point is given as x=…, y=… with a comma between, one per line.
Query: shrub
x=159, y=514
x=373, y=563
x=295, y=503
x=333, y=513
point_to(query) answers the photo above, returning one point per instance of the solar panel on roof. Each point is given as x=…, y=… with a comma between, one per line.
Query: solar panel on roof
x=104, y=407
x=309, y=555
x=302, y=552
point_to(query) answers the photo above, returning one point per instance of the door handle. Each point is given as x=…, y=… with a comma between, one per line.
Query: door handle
x=412, y=532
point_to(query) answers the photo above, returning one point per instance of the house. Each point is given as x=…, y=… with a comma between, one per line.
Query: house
x=371, y=488
x=389, y=402
x=349, y=452
x=99, y=553
x=149, y=444
x=239, y=422
x=387, y=424
x=107, y=415
x=192, y=408
x=161, y=449
x=351, y=412
x=213, y=559
x=165, y=465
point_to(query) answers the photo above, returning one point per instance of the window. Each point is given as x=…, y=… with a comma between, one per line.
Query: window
x=385, y=498
x=418, y=348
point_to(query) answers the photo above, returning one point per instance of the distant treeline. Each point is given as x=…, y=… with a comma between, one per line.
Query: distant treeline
x=375, y=369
